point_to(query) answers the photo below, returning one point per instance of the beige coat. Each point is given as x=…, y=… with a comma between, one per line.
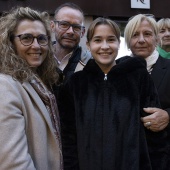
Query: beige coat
x=27, y=141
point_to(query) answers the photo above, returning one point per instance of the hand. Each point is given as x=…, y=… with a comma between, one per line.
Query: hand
x=158, y=119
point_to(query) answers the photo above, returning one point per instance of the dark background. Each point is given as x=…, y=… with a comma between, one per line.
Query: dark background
x=119, y=9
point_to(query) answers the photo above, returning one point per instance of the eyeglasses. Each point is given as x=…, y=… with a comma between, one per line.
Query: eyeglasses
x=28, y=39
x=64, y=25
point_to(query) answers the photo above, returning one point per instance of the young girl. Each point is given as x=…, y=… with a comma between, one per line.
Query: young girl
x=101, y=109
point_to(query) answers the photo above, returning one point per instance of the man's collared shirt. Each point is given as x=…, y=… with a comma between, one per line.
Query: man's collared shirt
x=62, y=64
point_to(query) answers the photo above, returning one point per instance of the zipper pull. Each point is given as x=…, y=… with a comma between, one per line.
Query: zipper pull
x=105, y=77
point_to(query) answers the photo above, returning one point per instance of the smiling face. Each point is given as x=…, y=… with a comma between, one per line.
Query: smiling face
x=104, y=46
x=34, y=54
x=143, y=40
x=68, y=39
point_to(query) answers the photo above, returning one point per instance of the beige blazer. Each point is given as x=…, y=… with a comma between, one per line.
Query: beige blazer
x=27, y=141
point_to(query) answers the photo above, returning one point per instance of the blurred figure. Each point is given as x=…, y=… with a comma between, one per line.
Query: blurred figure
x=29, y=127
x=164, y=37
x=102, y=105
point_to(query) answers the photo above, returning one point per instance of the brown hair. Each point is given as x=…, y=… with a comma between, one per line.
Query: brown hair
x=69, y=5
x=102, y=21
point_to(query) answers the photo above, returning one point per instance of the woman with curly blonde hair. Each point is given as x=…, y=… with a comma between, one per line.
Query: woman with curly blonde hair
x=13, y=65
x=29, y=122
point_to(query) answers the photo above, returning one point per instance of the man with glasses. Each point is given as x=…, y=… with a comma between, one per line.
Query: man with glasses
x=69, y=29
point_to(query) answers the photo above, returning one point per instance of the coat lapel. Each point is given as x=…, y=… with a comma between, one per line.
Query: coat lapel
x=27, y=86
x=159, y=71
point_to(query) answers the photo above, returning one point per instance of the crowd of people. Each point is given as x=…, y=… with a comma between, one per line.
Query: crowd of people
x=67, y=108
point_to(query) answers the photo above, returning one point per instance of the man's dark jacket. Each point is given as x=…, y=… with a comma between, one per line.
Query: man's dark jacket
x=78, y=56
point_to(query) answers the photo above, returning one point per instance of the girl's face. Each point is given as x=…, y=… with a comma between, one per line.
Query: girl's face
x=104, y=46
x=34, y=53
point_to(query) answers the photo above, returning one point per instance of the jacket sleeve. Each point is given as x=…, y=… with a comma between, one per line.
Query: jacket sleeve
x=168, y=110
x=13, y=140
x=157, y=144
x=68, y=127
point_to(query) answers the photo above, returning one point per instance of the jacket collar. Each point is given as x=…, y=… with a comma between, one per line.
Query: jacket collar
x=159, y=70
x=39, y=103
x=123, y=65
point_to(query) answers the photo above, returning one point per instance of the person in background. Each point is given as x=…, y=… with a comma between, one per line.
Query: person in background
x=68, y=27
x=29, y=123
x=164, y=37
x=141, y=36
x=101, y=127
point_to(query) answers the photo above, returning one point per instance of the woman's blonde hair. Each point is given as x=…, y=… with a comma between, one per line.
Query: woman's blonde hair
x=163, y=23
x=102, y=21
x=10, y=62
x=133, y=25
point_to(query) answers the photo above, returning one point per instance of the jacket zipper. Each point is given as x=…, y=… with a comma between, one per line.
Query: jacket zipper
x=105, y=77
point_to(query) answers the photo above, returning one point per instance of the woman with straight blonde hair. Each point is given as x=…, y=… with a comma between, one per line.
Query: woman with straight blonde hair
x=141, y=36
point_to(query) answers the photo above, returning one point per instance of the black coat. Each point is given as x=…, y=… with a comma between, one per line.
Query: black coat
x=161, y=78
x=100, y=119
